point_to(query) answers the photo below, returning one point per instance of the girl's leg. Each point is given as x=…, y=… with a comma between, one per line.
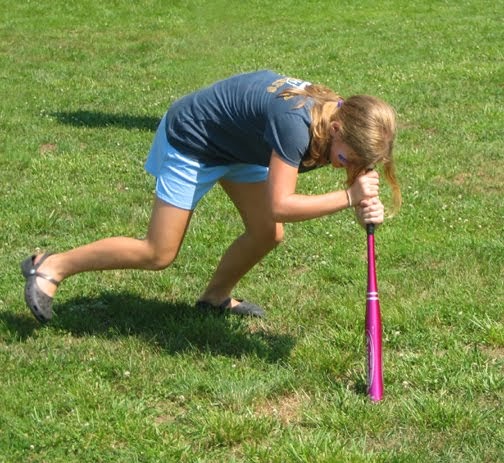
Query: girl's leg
x=261, y=235
x=166, y=232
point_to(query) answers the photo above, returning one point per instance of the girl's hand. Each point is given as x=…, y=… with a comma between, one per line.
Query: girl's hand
x=366, y=186
x=370, y=211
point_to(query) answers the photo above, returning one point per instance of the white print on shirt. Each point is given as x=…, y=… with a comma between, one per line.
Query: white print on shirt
x=296, y=83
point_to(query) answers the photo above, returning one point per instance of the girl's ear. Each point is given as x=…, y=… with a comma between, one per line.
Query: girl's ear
x=335, y=126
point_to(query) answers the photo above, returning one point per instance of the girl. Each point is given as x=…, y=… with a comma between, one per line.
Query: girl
x=253, y=133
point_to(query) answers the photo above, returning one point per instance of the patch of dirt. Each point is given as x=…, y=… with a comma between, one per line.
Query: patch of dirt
x=47, y=148
x=285, y=408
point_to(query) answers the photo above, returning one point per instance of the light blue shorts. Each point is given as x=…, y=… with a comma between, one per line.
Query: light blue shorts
x=183, y=180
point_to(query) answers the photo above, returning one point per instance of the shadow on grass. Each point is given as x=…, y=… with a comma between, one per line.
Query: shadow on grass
x=98, y=119
x=175, y=328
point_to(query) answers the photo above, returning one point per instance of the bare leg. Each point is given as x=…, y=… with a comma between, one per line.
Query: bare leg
x=261, y=235
x=166, y=232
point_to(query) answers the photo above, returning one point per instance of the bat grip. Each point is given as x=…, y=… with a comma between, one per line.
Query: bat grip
x=370, y=227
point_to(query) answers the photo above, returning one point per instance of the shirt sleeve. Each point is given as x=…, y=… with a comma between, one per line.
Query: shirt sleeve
x=287, y=132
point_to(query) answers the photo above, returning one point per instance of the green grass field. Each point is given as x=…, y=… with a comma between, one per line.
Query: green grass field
x=126, y=371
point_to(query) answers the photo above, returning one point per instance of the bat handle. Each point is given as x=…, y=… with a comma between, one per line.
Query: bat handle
x=370, y=227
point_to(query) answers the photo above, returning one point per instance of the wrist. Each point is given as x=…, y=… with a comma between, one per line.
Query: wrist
x=349, y=197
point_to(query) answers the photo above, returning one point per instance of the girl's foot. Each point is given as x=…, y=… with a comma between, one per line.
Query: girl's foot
x=40, y=287
x=232, y=306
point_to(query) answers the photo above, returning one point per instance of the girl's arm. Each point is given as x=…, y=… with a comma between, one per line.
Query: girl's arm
x=287, y=206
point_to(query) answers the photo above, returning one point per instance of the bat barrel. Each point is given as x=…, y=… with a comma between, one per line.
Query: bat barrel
x=374, y=349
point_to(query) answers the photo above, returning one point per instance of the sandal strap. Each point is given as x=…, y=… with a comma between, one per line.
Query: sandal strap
x=30, y=269
x=46, y=277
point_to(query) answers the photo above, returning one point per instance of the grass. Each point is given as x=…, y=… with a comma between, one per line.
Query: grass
x=126, y=371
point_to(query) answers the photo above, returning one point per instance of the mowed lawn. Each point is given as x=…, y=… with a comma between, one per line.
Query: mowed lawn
x=127, y=371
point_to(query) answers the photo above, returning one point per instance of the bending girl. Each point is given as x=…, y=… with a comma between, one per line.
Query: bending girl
x=253, y=133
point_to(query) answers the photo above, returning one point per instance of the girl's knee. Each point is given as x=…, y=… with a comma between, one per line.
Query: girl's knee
x=161, y=259
x=279, y=234
x=160, y=263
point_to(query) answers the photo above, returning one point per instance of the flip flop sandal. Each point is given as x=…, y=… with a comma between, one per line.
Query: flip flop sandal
x=39, y=303
x=244, y=308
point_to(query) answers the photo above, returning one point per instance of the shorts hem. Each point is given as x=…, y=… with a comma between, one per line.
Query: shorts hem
x=174, y=204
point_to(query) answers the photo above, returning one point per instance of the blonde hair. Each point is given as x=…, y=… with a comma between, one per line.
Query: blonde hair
x=366, y=124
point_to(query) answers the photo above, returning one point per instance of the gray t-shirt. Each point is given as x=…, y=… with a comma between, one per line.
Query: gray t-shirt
x=241, y=120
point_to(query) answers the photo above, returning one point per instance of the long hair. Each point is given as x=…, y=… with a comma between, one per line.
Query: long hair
x=366, y=123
